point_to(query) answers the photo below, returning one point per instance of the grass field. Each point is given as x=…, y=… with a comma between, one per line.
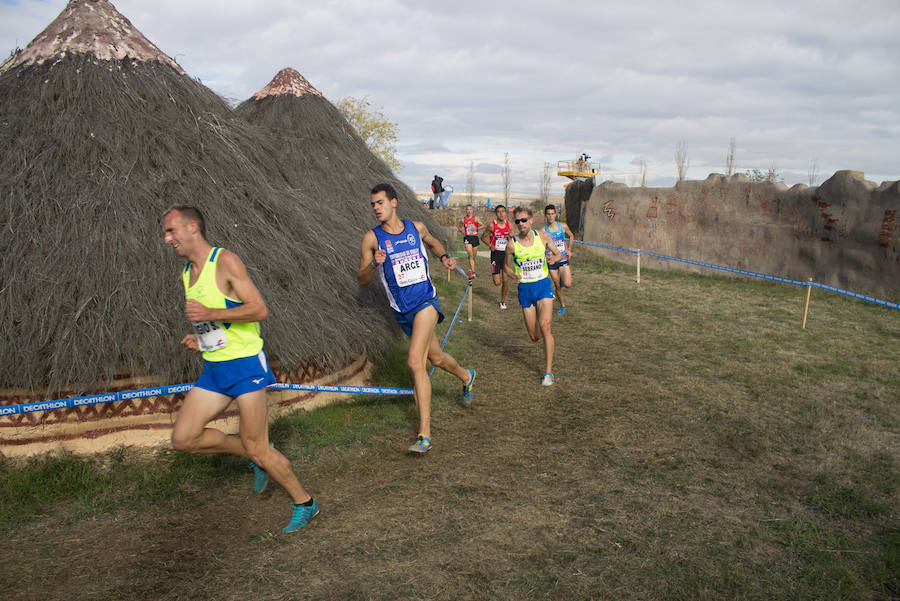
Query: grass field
x=697, y=445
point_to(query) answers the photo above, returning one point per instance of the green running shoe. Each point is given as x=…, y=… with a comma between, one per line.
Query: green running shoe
x=260, y=478
x=301, y=516
x=467, y=394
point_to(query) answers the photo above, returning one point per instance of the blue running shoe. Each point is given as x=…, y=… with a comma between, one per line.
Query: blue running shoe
x=422, y=445
x=301, y=516
x=467, y=393
x=260, y=478
x=561, y=311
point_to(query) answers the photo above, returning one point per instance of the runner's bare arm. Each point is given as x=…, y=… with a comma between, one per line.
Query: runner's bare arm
x=571, y=244
x=370, y=257
x=555, y=255
x=508, y=265
x=237, y=284
x=435, y=245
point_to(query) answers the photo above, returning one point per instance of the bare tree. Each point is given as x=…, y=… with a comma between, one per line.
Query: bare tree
x=546, y=182
x=681, y=159
x=470, y=183
x=812, y=172
x=729, y=158
x=506, y=177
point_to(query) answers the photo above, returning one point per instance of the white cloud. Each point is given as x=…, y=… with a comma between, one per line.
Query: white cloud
x=470, y=80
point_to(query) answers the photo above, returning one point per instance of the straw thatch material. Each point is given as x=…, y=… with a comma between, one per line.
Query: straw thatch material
x=315, y=139
x=92, y=152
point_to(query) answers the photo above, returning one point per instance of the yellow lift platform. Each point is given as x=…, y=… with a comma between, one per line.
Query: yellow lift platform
x=577, y=169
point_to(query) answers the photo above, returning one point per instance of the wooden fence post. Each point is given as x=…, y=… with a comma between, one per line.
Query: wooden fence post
x=639, y=266
x=806, y=304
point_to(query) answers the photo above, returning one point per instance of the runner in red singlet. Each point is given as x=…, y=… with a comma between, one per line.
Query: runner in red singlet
x=469, y=227
x=498, y=239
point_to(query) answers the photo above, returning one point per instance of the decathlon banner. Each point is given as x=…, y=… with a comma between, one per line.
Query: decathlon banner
x=125, y=395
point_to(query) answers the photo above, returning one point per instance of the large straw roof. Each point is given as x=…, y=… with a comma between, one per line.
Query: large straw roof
x=93, y=148
x=315, y=138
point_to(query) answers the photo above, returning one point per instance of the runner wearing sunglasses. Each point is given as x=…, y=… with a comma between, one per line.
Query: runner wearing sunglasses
x=527, y=265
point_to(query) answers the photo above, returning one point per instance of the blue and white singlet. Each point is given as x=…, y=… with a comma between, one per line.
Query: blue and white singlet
x=559, y=239
x=404, y=272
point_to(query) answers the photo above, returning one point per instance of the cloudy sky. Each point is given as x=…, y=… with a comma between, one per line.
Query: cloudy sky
x=795, y=83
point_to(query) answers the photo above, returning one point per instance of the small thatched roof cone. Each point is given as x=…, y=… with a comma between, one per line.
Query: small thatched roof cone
x=94, y=146
x=324, y=155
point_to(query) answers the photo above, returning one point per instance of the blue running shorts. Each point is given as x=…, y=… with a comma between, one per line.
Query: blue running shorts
x=237, y=376
x=531, y=292
x=556, y=266
x=406, y=319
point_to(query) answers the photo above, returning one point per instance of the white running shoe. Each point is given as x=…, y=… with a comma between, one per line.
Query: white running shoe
x=502, y=306
x=548, y=380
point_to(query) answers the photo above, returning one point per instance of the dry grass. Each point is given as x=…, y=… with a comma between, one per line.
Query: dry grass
x=697, y=445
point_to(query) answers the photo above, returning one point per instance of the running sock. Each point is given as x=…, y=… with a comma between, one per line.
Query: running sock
x=307, y=504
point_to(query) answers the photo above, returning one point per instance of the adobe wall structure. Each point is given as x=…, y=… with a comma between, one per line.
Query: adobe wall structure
x=148, y=421
x=844, y=233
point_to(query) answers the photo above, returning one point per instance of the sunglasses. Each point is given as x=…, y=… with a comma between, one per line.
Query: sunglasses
x=518, y=221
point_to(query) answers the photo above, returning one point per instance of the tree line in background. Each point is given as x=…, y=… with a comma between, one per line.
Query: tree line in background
x=380, y=135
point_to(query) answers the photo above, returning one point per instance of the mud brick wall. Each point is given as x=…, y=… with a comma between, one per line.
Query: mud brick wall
x=844, y=233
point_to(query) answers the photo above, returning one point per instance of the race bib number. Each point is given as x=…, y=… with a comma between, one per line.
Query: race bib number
x=471, y=230
x=561, y=245
x=210, y=335
x=409, y=268
x=500, y=243
x=533, y=270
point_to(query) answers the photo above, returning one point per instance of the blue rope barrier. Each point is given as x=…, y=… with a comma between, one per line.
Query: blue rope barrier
x=125, y=395
x=857, y=295
x=773, y=278
x=624, y=250
x=453, y=322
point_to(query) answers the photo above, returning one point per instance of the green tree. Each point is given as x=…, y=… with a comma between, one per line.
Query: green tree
x=377, y=131
x=771, y=175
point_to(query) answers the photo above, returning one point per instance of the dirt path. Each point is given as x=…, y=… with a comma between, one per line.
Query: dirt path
x=446, y=525
x=646, y=472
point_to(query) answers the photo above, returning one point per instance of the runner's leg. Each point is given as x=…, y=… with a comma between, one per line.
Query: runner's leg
x=445, y=361
x=190, y=433
x=565, y=276
x=530, y=315
x=255, y=440
x=544, y=317
x=554, y=277
x=419, y=342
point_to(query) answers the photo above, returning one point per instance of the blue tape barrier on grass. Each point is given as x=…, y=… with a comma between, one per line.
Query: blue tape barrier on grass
x=125, y=395
x=857, y=295
x=624, y=250
x=453, y=322
x=773, y=278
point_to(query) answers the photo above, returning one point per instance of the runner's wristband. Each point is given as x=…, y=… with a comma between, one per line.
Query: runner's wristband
x=442, y=257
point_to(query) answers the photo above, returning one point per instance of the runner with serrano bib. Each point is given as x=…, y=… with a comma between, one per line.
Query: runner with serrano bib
x=527, y=265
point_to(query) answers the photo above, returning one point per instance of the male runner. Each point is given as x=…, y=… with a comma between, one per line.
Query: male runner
x=499, y=237
x=469, y=227
x=396, y=251
x=527, y=265
x=225, y=309
x=560, y=273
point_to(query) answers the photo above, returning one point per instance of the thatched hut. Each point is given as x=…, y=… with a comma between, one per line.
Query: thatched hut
x=100, y=132
x=314, y=138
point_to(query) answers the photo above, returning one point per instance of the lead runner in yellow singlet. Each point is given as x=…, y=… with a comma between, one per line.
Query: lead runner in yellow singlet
x=224, y=309
x=527, y=265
